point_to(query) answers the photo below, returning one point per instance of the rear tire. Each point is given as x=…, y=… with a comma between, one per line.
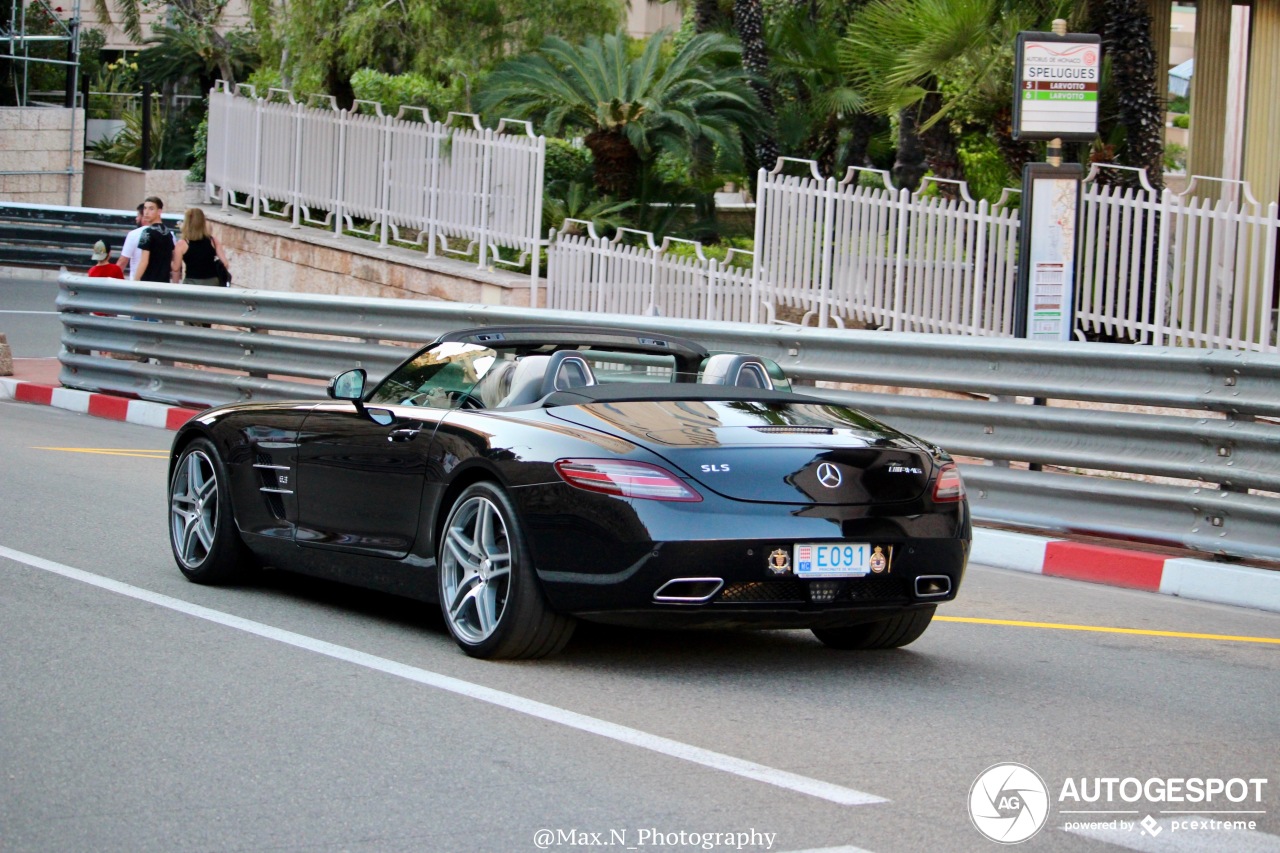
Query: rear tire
x=489, y=595
x=202, y=528
x=891, y=633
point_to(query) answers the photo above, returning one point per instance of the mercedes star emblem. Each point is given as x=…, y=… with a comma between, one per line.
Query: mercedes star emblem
x=828, y=475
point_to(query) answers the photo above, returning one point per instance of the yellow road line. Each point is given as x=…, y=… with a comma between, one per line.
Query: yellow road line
x=1101, y=629
x=112, y=451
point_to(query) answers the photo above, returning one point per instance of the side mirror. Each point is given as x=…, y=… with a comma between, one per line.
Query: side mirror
x=348, y=385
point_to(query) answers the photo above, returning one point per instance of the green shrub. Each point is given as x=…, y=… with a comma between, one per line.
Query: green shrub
x=264, y=79
x=414, y=90
x=1183, y=121
x=566, y=163
x=200, y=150
x=985, y=169
x=125, y=148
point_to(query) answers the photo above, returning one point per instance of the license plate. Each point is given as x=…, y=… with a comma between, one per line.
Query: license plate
x=832, y=559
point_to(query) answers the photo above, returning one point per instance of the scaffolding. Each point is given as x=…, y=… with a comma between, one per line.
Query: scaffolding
x=16, y=44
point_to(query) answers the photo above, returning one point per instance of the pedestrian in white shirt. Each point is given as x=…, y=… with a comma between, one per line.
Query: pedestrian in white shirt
x=129, y=252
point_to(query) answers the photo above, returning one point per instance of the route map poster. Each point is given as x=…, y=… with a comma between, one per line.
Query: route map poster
x=1044, y=303
x=1057, y=86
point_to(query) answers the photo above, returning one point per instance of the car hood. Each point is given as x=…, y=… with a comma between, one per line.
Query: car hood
x=769, y=451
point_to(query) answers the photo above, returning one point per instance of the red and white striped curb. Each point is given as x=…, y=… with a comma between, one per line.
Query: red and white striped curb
x=1202, y=580
x=142, y=412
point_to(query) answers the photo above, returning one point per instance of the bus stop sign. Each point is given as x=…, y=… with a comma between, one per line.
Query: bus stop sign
x=1057, y=86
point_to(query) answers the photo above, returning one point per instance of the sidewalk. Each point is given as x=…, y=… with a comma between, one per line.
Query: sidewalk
x=1126, y=565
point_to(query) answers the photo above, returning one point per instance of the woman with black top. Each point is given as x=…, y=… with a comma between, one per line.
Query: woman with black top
x=197, y=249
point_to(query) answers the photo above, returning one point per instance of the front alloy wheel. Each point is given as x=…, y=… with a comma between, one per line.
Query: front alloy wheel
x=202, y=532
x=488, y=593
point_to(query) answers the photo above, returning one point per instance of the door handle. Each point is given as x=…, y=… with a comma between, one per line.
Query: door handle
x=404, y=434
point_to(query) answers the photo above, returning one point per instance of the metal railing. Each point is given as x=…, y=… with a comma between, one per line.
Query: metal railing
x=1192, y=459
x=1163, y=267
x=885, y=257
x=46, y=236
x=1154, y=267
x=588, y=272
x=462, y=190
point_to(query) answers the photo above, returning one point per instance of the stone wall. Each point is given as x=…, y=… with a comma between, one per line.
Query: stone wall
x=45, y=141
x=115, y=187
x=268, y=254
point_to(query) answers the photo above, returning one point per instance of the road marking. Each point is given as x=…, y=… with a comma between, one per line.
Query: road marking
x=551, y=713
x=112, y=451
x=1102, y=629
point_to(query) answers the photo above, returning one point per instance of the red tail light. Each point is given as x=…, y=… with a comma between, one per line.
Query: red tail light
x=948, y=486
x=625, y=479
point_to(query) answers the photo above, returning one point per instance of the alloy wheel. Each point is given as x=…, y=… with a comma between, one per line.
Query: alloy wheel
x=193, y=509
x=476, y=569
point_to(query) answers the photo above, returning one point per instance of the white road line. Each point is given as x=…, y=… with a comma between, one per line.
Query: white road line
x=1169, y=839
x=623, y=734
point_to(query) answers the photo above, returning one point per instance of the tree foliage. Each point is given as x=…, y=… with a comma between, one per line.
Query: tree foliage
x=318, y=44
x=818, y=111
x=928, y=61
x=1133, y=117
x=631, y=108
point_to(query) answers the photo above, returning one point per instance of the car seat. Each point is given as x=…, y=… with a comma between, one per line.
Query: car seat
x=729, y=368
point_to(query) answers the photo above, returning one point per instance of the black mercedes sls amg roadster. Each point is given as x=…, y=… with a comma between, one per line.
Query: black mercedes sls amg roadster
x=528, y=477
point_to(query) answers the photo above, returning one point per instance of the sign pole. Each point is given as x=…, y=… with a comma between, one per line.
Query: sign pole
x=1055, y=98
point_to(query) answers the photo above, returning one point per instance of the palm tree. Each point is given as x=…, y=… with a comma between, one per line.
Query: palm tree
x=921, y=59
x=819, y=113
x=193, y=26
x=748, y=20
x=707, y=16
x=630, y=109
x=1138, y=119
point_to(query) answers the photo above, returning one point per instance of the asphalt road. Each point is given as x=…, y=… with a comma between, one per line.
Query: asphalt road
x=139, y=712
x=28, y=317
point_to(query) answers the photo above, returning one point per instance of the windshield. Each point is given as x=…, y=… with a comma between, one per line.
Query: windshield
x=442, y=377
x=454, y=374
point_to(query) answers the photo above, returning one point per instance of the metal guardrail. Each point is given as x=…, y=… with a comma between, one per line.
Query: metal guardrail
x=1186, y=462
x=45, y=236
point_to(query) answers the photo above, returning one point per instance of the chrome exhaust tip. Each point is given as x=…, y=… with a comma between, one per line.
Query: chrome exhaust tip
x=688, y=590
x=933, y=586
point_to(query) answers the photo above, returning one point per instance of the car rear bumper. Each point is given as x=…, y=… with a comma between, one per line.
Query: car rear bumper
x=733, y=583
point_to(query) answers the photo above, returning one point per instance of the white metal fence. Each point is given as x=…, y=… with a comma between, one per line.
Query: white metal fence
x=586, y=272
x=1179, y=269
x=1155, y=267
x=845, y=250
x=454, y=189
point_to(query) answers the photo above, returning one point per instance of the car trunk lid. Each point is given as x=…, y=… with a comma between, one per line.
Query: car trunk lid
x=794, y=453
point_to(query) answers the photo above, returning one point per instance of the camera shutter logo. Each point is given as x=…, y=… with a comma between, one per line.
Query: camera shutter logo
x=1008, y=803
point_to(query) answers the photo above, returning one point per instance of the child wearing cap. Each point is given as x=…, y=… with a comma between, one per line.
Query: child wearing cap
x=104, y=268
